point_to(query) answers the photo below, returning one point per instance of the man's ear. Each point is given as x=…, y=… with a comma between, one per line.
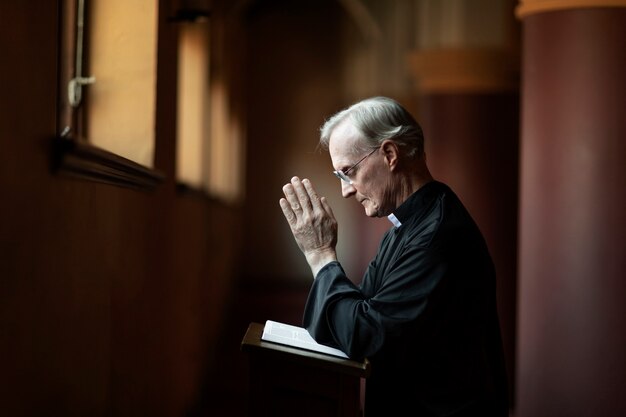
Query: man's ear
x=391, y=152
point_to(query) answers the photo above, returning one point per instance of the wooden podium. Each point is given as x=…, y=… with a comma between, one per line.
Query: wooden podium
x=288, y=381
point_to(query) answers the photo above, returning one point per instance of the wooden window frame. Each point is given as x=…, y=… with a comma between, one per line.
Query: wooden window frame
x=73, y=155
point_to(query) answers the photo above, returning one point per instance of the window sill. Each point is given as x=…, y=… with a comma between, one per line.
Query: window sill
x=87, y=162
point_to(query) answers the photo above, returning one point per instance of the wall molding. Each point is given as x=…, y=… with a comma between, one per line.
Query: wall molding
x=530, y=7
x=83, y=161
x=465, y=70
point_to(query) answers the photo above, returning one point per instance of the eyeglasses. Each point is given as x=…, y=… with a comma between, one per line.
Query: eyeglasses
x=343, y=174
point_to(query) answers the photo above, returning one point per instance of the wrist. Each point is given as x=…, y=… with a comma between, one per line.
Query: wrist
x=318, y=259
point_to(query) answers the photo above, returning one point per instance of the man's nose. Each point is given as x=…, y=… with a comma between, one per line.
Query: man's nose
x=347, y=189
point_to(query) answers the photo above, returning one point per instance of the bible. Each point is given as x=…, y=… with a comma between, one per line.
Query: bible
x=287, y=334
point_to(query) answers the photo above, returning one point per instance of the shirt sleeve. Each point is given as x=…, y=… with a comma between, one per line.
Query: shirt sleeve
x=338, y=313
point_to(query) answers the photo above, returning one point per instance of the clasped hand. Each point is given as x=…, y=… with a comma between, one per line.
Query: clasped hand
x=312, y=222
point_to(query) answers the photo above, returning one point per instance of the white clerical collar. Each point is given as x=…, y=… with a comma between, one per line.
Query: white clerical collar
x=393, y=219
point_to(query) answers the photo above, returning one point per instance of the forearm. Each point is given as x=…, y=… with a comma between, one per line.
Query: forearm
x=330, y=293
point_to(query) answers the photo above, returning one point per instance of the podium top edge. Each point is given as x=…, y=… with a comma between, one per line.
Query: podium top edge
x=253, y=343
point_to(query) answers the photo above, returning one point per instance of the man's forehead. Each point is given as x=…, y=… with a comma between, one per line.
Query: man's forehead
x=343, y=139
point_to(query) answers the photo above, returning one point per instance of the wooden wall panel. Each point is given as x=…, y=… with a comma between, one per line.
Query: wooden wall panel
x=111, y=299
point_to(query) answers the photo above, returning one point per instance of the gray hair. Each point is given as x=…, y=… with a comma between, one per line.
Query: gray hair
x=378, y=119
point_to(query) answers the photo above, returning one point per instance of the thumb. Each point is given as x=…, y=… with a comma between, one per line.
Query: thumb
x=327, y=208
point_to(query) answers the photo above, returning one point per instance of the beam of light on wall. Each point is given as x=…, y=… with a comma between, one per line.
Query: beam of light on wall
x=225, y=169
x=193, y=105
x=122, y=57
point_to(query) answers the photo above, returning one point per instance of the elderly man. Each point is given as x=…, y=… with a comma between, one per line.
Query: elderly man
x=425, y=310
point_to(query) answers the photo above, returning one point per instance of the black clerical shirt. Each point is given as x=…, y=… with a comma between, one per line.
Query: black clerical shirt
x=424, y=314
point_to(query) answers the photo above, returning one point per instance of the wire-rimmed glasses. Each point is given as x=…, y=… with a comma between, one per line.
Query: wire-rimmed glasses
x=343, y=175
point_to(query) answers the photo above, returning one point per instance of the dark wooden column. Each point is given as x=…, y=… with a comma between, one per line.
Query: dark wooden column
x=469, y=110
x=572, y=275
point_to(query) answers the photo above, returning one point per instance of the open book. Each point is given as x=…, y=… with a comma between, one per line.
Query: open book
x=289, y=335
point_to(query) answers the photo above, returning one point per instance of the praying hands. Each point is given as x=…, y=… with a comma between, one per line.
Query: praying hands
x=311, y=221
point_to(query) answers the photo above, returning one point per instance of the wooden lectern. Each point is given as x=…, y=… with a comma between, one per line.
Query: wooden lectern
x=288, y=381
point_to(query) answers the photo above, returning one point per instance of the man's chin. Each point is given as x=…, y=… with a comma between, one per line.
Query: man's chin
x=371, y=212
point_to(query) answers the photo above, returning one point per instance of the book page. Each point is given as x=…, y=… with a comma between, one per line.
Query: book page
x=287, y=334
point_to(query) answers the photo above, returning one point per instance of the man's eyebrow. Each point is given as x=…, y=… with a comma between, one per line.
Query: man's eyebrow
x=341, y=166
x=347, y=166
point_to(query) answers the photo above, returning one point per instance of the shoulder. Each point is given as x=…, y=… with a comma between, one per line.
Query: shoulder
x=442, y=212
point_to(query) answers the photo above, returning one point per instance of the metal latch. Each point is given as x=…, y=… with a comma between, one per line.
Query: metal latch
x=75, y=90
x=75, y=86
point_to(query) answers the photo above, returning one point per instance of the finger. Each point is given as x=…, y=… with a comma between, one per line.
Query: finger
x=301, y=193
x=287, y=211
x=313, y=197
x=291, y=197
x=327, y=208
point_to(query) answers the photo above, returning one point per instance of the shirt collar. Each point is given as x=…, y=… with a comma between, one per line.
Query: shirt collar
x=412, y=204
x=393, y=219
